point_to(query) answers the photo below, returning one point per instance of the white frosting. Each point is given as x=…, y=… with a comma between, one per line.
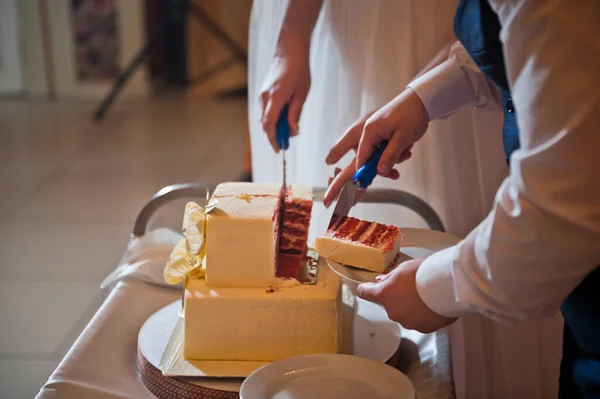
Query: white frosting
x=254, y=324
x=241, y=188
x=349, y=253
x=304, y=191
x=241, y=209
x=286, y=282
x=240, y=242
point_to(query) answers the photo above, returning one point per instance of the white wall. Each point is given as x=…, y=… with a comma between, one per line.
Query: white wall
x=35, y=67
x=11, y=70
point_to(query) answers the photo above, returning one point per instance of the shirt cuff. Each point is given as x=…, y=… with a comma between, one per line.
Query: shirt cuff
x=444, y=90
x=435, y=284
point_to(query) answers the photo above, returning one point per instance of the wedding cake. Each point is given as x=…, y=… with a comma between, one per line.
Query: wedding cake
x=249, y=293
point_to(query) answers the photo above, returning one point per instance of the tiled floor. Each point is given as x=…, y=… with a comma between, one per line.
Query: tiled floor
x=69, y=193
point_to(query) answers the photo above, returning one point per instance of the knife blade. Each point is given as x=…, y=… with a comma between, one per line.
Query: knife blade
x=362, y=179
x=283, y=139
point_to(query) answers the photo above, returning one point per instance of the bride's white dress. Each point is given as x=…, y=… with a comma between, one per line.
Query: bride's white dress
x=363, y=53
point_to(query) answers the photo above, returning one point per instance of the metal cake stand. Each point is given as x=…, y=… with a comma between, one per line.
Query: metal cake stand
x=171, y=388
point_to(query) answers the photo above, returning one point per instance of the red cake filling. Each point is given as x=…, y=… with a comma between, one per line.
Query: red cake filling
x=293, y=235
x=277, y=216
x=371, y=234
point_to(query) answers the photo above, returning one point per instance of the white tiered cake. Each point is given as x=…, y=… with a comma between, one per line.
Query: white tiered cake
x=246, y=302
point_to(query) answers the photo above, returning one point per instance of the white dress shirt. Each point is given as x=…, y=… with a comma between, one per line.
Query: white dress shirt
x=543, y=235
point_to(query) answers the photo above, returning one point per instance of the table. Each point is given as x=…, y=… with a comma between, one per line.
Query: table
x=102, y=362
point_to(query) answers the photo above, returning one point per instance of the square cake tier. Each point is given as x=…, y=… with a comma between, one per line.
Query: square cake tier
x=264, y=324
x=241, y=241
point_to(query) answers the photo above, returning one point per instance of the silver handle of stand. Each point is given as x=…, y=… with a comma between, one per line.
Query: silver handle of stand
x=373, y=195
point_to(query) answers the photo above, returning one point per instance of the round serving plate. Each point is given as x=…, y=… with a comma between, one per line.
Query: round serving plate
x=327, y=377
x=375, y=337
x=416, y=243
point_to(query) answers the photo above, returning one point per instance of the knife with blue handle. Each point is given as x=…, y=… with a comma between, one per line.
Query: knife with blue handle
x=362, y=179
x=283, y=138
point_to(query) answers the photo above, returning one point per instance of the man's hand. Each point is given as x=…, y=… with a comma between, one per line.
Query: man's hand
x=402, y=121
x=336, y=183
x=397, y=293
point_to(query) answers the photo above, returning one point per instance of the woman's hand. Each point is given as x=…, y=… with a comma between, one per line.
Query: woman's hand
x=288, y=79
x=287, y=83
x=402, y=121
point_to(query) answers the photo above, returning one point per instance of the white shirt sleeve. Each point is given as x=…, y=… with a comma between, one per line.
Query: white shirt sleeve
x=454, y=84
x=543, y=235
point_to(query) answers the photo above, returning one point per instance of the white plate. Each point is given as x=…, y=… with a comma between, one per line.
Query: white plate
x=375, y=337
x=327, y=377
x=416, y=243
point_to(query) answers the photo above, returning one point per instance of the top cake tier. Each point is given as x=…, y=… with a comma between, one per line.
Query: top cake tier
x=242, y=236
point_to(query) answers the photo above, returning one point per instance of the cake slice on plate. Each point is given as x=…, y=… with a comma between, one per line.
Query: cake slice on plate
x=359, y=243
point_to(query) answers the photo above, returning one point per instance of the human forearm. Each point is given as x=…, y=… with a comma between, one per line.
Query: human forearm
x=288, y=81
x=299, y=21
x=541, y=239
x=437, y=59
x=453, y=84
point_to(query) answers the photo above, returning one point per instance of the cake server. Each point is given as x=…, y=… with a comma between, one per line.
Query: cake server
x=283, y=138
x=362, y=179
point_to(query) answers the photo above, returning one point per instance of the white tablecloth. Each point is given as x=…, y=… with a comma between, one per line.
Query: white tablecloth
x=102, y=362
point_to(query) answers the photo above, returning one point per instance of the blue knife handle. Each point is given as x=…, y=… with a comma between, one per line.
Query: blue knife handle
x=366, y=173
x=283, y=130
